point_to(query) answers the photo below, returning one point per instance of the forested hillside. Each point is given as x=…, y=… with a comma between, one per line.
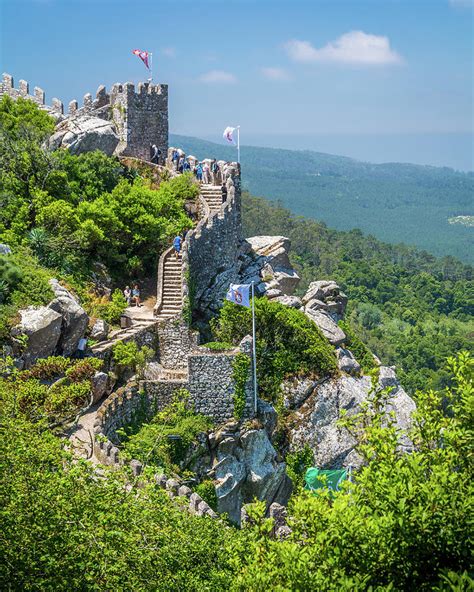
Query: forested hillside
x=409, y=307
x=394, y=202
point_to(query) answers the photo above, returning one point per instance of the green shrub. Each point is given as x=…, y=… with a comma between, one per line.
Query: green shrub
x=240, y=375
x=296, y=464
x=112, y=311
x=165, y=440
x=84, y=369
x=207, y=490
x=287, y=342
x=129, y=355
x=218, y=346
x=48, y=368
x=361, y=352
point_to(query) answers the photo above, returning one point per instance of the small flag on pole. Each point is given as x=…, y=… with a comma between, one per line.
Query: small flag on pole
x=229, y=135
x=240, y=294
x=143, y=55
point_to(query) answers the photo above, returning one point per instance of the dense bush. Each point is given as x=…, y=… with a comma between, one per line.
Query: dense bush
x=403, y=524
x=65, y=529
x=287, y=342
x=55, y=388
x=165, y=440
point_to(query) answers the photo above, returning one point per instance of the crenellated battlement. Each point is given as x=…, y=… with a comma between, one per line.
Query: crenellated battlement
x=39, y=97
x=139, y=114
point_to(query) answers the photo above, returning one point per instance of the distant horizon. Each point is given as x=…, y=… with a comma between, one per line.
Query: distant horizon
x=460, y=155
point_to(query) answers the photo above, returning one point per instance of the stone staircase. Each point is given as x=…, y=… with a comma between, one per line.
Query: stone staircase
x=170, y=300
x=213, y=196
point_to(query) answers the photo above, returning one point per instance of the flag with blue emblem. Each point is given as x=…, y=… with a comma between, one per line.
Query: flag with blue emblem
x=240, y=294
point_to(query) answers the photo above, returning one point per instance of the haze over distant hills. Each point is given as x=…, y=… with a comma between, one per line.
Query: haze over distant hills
x=395, y=202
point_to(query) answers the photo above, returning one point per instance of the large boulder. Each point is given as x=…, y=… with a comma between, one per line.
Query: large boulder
x=42, y=327
x=329, y=328
x=75, y=318
x=346, y=361
x=315, y=423
x=100, y=330
x=246, y=467
x=326, y=295
x=270, y=253
x=84, y=134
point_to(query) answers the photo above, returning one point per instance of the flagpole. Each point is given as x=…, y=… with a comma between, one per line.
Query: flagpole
x=254, y=351
x=238, y=145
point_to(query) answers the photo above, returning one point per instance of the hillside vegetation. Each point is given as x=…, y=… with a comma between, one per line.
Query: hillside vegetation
x=395, y=202
x=85, y=219
x=410, y=308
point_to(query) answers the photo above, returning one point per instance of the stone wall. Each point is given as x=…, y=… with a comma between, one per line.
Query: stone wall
x=176, y=341
x=213, y=246
x=212, y=386
x=140, y=116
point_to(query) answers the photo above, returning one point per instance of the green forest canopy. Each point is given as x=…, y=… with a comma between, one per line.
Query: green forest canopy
x=395, y=202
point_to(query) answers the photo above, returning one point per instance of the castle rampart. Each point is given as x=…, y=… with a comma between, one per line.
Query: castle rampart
x=139, y=115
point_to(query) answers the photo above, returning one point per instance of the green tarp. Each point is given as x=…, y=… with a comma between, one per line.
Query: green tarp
x=324, y=479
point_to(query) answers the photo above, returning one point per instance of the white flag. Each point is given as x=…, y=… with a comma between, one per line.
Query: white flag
x=240, y=294
x=228, y=135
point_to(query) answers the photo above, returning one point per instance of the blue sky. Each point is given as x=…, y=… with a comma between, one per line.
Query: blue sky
x=375, y=79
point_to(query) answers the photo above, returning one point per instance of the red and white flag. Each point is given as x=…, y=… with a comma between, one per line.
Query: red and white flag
x=143, y=55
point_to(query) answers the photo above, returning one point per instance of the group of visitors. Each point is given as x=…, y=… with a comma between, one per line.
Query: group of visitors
x=132, y=296
x=203, y=171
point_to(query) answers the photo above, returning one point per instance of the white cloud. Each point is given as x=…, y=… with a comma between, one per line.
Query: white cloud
x=169, y=52
x=355, y=47
x=462, y=3
x=218, y=76
x=275, y=74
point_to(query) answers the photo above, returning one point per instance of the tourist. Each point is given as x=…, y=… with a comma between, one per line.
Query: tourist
x=199, y=172
x=186, y=167
x=181, y=164
x=155, y=154
x=224, y=192
x=136, y=295
x=175, y=159
x=206, y=173
x=215, y=171
x=177, y=245
x=81, y=348
x=128, y=295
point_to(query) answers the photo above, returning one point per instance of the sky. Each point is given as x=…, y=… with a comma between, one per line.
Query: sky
x=379, y=80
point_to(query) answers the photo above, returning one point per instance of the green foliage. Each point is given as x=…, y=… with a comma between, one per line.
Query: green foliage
x=218, y=346
x=166, y=439
x=409, y=308
x=65, y=529
x=296, y=464
x=287, y=342
x=54, y=388
x=240, y=376
x=129, y=355
x=394, y=202
x=111, y=310
x=26, y=284
x=125, y=354
x=48, y=368
x=207, y=490
x=403, y=524
x=10, y=277
x=361, y=352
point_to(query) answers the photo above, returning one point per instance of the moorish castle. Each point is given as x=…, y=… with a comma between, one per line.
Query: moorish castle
x=126, y=121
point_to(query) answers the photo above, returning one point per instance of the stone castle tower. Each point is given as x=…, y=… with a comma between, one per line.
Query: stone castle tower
x=140, y=116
